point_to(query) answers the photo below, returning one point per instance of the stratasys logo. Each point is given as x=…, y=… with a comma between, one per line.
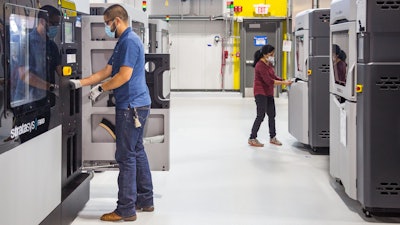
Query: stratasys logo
x=26, y=127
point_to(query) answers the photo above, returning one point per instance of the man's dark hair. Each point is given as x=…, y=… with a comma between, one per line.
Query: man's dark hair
x=116, y=10
x=51, y=11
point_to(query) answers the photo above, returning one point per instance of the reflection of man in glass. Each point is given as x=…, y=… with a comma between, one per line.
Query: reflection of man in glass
x=1, y=63
x=36, y=70
x=1, y=52
x=339, y=65
x=1, y=49
x=43, y=59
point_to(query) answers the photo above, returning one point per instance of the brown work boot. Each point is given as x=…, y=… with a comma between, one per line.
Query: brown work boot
x=254, y=142
x=275, y=141
x=145, y=209
x=115, y=217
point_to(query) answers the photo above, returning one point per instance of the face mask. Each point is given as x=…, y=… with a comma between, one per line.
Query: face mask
x=52, y=31
x=271, y=59
x=110, y=33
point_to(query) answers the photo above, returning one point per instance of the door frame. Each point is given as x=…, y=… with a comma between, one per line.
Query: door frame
x=278, y=50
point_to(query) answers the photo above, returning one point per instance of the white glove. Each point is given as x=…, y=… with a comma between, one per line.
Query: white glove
x=75, y=84
x=95, y=92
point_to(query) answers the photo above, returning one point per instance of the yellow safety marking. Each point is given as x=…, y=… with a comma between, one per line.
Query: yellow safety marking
x=359, y=88
x=67, y=4
x=67, y=71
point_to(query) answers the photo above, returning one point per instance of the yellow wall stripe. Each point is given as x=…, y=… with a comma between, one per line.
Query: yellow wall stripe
x=278, y=8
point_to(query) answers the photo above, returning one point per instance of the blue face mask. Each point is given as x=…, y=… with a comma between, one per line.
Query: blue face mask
x=52, y=31
x=109, y=33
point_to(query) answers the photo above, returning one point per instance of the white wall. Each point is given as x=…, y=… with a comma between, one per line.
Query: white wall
x=301, y=5
x=82, y=6
x=129, y=2
x=195, y=57
x=189, y=7
x=194, y=64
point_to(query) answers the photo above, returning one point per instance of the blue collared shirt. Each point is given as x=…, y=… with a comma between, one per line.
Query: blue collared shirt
x=129, y=51
x=37, y=65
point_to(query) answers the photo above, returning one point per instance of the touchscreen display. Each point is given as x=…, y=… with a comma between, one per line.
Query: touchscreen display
x=69, y=33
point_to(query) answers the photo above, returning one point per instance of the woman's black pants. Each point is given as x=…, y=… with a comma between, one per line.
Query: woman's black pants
x=265, y=105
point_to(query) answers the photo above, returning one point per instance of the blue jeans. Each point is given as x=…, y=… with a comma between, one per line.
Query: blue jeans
x=134, y=179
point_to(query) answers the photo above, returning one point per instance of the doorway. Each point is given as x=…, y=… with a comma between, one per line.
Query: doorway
x=253, y=35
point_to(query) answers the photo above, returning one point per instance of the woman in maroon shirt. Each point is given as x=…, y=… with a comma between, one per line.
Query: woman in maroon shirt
x=264, y=82
x=339, y=65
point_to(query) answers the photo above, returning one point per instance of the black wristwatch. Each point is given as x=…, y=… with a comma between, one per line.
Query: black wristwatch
x=100, y=88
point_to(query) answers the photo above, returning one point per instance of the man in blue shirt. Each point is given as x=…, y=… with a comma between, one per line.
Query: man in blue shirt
x=44, y=60
x=128, y=82
x=33, y=71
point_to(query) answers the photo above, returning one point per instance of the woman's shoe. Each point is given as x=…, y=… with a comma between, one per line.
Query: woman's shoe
x=254, y=142
x=275, y=141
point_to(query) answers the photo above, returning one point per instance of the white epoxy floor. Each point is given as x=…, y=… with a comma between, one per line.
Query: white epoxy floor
x=216, y=178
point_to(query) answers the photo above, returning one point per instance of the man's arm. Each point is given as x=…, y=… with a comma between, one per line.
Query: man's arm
x=33, y=80
x=97, y=77
x=123, y=76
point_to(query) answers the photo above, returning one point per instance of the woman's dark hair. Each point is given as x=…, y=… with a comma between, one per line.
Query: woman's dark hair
x=261, y=52
x=342, y=55
x=339, y=52
x=336, y=49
